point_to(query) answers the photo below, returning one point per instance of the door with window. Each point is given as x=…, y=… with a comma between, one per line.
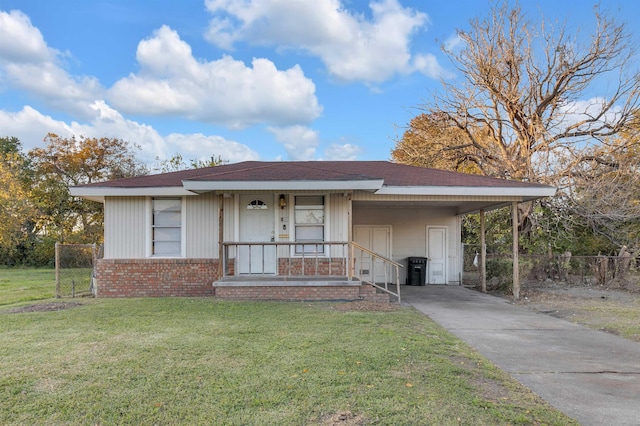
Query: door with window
x=257, y=223
x=437, y=255
x=378, y=240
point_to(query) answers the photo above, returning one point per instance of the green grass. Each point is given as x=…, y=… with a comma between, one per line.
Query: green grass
x=203, y=361
x=26, y=284
x=177, y=361
x=621, y=317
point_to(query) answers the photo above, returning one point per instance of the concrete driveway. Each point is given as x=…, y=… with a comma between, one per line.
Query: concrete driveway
x=589, y=375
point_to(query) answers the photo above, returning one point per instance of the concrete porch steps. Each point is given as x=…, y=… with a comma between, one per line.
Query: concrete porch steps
x=301, y=288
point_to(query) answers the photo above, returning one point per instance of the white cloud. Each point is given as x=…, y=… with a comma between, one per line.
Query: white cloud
x=428, y=65
x=300, y=142
x=583, y=111
x=352, y=46
x=225, y=91
x=31, y=126
x=453, y=42
x=28, y=63
x=200, y=147
x=170, y=81
x=346, y=152
x=21, y=41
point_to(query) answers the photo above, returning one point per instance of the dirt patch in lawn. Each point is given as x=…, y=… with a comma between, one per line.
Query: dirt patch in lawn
x=43, y=307
x=343, y=418
x=365, y=305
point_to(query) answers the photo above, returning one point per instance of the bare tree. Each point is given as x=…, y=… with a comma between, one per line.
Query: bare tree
x=605, y=190
x=528, y=89
x=531, y=101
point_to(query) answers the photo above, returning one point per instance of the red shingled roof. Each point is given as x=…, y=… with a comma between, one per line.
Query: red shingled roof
x=393, y=174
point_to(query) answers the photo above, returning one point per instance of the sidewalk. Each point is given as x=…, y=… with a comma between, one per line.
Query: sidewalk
x=589, y=375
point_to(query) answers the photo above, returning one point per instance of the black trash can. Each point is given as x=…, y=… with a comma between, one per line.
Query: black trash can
x=416, y=270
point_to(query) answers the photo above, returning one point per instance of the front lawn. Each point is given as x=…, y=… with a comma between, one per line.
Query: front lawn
x=202, y=361
x=26, y=284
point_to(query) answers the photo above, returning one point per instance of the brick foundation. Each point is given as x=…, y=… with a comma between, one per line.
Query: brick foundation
x=156, y=277
x=195, y=278
x=301, y=293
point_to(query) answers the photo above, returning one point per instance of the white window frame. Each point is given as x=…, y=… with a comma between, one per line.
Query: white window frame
x=325, y=208
x=150, y=227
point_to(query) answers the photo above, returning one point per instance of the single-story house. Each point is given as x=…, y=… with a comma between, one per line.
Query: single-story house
x=309, y=230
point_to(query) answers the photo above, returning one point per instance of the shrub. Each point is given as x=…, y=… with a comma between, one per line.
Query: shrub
x=500, y=271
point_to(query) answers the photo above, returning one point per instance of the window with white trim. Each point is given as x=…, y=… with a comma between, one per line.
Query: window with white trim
x=257, y=205
x=166, y=227
x=309, y=223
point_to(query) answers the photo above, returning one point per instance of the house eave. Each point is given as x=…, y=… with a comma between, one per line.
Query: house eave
x=527, y=193
x=293, y=185
x=97, y=193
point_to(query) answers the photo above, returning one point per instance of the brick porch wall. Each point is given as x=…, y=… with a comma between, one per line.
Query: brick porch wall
x=320, y=266
x=156, y=277
x=301, y=293
x=195, y=277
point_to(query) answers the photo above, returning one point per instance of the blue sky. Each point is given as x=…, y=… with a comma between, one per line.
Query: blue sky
x=239, y=79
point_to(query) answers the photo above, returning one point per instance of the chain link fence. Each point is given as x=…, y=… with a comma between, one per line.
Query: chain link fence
x=619, y=272
x=75, y=265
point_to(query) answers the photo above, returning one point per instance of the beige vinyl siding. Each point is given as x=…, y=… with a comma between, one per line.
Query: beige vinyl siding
x=409, y=232
x=202, y=226
x=125, y=227
x=338, y=221
x=229, y=219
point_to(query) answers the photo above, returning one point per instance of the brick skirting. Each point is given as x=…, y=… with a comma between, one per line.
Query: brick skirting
x=156, y=277
x=195, y=278
x=301, y=293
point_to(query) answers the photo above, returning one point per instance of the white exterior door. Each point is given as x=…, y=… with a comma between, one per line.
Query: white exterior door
x=256, y=225
x=437, y=255
x=378, y=240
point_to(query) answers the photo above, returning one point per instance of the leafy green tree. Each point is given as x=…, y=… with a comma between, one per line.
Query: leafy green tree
x=65, y=162
x=17, y=212
x=10, y=145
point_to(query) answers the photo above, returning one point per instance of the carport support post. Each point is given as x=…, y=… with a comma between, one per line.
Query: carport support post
x=483, y=254
x=221, y=259
x=516, y=263
x=350, y=250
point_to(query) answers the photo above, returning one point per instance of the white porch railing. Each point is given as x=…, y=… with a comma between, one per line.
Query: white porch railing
x=287, y=259
x=310, y=258
x=390, y=269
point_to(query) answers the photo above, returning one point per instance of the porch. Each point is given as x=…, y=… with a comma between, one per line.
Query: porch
x=314, y=270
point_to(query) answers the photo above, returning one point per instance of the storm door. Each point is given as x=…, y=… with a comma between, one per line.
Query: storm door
x=256, y=225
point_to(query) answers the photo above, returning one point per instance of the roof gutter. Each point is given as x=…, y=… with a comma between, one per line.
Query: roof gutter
x=515, y=191
x=97, y=193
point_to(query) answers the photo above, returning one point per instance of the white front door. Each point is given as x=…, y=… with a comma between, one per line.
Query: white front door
x=437, y=255
x=256, y=225
x=378, y=240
